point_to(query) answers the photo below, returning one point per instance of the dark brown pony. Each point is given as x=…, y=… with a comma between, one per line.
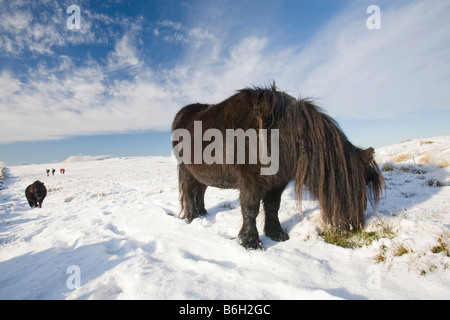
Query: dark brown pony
x=36, y=194
x=313, y=152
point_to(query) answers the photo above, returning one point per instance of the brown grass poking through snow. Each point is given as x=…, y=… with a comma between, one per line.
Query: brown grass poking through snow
x=402, y=157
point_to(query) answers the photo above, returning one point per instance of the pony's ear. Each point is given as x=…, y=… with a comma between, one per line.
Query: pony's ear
x=368, y=154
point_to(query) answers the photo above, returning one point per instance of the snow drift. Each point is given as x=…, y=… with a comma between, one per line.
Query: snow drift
x=111, y=230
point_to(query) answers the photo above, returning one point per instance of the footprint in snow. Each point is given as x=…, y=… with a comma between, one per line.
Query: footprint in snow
x=113, y=229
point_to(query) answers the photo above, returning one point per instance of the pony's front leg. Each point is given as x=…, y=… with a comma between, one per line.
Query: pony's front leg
x=272, y=227
x=248, y=236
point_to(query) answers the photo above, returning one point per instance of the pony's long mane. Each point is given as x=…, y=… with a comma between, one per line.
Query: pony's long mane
x=341, y=176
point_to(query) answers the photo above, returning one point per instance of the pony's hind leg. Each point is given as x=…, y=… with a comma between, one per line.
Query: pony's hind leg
x=35, y=202
x=31, y=203
x=272, y=227
x=192, y=194
x=200, y=199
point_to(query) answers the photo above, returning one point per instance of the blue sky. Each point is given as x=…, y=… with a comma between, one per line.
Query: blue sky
x=113, y=86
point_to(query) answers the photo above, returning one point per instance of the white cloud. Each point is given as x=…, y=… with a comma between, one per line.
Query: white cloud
x=124, y=55
x=384, y=73
x=176, y=32
x=16, y=22
x=82, y=101
x=355, y=72
x=201, y=33
x=38, y=27
x=8, y=84
x=172, y=24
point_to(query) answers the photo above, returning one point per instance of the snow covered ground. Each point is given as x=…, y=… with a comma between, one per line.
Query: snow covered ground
x=110, y=229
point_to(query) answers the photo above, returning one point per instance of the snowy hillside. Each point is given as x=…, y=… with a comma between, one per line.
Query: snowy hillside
x=110, y=229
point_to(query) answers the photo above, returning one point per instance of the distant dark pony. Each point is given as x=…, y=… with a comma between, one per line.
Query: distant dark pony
x=313, y=152
x=36, y=194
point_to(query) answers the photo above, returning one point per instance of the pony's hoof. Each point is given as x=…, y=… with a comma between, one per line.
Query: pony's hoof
x=251, y=245
x=276, y=233
x=279, y=237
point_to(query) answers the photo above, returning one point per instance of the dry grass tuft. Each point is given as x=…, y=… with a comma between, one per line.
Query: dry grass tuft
x=402, y=157
x=443, y=163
